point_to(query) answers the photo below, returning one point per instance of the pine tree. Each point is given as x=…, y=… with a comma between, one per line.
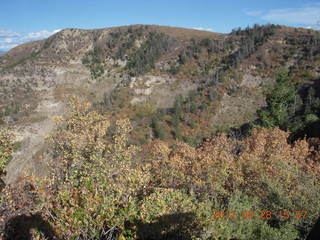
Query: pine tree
x=279, y=101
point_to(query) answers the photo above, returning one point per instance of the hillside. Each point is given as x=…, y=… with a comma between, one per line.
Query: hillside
x=138, y=69
x=179, y=90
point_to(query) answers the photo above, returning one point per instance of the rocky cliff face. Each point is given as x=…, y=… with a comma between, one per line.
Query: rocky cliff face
x=126, y=67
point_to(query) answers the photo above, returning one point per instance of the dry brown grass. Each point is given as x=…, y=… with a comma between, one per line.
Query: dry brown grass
x=184, y=32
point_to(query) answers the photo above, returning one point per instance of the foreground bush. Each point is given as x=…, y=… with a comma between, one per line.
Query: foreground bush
x=6, y=147
x=6, y=150
x=269, y=174
x=103, y=187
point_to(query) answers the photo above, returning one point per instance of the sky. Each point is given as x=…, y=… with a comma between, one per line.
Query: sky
x=27, y=20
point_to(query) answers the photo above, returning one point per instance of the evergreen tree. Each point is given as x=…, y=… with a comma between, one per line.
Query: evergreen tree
x=177, y=111
x=280, y=100
x=158, y=132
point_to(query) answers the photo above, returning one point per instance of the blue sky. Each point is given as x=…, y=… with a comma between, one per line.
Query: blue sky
x=27, y=20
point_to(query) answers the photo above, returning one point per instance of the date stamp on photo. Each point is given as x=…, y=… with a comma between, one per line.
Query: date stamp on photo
x=258, y=214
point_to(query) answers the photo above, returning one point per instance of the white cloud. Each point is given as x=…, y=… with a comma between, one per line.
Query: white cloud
x=306, y=16
x=253, y=13
x=5, y=47
x=316, y=26
x=8, y=33
x=41, y=34
x=10, y=39
x=203, y=29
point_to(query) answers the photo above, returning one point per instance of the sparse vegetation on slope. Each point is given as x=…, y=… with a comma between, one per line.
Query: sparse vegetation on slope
x=144, y=59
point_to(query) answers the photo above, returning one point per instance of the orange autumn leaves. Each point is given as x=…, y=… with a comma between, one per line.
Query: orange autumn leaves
x=227, y=164
x=101, y=180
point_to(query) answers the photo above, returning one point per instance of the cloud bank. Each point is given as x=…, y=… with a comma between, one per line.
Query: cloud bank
x=203, y=29
x=306, y=16
x=10, y=39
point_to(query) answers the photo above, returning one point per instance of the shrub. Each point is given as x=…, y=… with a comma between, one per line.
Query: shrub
x=101, y=187
x=98, y=182
x=6, y=148
x=267, y=171
x=238, y=223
